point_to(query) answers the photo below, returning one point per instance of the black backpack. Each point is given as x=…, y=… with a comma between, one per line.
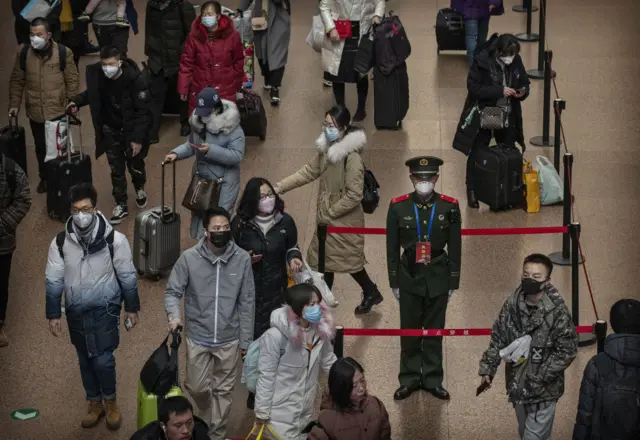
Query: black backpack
x=617, y=410
x=62, y=54
x=391, y=45
x=160, y=372
x=370, y=191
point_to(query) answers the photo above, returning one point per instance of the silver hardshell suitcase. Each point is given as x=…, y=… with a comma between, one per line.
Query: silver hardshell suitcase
x=156, y=239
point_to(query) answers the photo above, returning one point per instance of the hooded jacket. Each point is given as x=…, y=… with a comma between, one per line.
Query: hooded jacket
x=94, y=285
x=340, y=169
x=15, y=202
x=554, y=346
x=624, y=351
x=287, y=381
x=218, y=294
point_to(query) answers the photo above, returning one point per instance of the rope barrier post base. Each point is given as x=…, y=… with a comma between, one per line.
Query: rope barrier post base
x=528, y=36
x=545, y=140
x=584, y=339
x=322, y=241
x=525, y=7
x=600, y=329
x=338, y=343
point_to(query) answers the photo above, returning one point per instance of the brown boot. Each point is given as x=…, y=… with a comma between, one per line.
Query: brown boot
x=114, y=419
x=96, y=412
x=4, y=341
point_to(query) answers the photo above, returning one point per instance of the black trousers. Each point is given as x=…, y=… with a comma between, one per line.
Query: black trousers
x=165, y=94
x=5, y=269
x=112, y=35
x=483, y=139
x=362, y=278
x=37, y=130
x=120, y=160
x=362, y=87
x=272, y=78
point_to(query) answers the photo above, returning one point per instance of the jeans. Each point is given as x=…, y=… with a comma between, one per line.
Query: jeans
x=476, y=34
x=5, y=270
x=39, y=138
x=98, y=375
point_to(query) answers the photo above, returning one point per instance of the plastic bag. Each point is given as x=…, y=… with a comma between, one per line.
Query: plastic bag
x=38, y=8
x=551, y=186
x=58, y=138
x=320, y=283
x=262, y=432
x=531, y=187
x=316, y=36
x=517, y=351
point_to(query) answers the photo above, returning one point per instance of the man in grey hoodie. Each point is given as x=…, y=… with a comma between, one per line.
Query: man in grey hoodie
x=216, y=279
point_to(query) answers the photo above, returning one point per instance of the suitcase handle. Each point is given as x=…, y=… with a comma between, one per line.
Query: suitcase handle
x=13, y=122
x=164, y=218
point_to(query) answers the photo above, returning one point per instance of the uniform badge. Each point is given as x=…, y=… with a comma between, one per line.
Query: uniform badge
x=408, y=218
x=424, y=162
x=441, y=217
x=536, y=355
x=143, y=94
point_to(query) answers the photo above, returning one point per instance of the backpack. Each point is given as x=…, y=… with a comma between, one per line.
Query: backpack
x=391, y=45
x=251, y=360
x=62, y=55
x=62, y=235
x=370, y=191
x=617, y=409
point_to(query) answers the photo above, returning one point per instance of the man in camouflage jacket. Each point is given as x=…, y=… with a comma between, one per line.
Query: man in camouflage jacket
x=537, y=315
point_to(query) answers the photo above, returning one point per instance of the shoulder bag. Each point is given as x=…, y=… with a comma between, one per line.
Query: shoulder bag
x=494, y=118
x=202, y=194
x=261, y=22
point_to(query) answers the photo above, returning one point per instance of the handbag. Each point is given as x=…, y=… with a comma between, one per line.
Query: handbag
x=160, y=372
x=364, y=56
x=344, y=28
x=260, y=22
x=494, y=118
x=202, y=194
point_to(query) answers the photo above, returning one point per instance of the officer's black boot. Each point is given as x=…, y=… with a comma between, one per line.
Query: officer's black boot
x=472, y=200
x=370, y=298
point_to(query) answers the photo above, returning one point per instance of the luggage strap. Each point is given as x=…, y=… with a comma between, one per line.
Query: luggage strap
x=62, y=55
x=62, y=236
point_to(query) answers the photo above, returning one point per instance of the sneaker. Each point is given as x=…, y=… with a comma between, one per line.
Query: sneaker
x=359, y=115
x=327, y=83
x=122, y=22
x=274, y=94
x=91, y=48
x=266, y=87
x=119, y=212
x=141, y=198
x=4, y=340
x=95, y=413
x=42, y=187
x=84, y=17
x=114, y=419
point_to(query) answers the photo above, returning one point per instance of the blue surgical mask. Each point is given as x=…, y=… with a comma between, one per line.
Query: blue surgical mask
x=313, y=314
x=331, y=133
x=209, y=21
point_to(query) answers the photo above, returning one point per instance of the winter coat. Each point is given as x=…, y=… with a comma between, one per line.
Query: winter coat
x=354, y=10
x=485, y=83
x=477, y=9
x=22, y=27
x=167, y=24
x=137, y=117
x=15, y=202
x=272, y=46
x=368, y=420
x=216, y=62
x=94, y=285
x=154, y=431
x=47, y=90
x=554, y=345
x=623, y=350
x=340, y=169
x=218, y=294
x=226, y=149
x=287, y=381
x=277, y=247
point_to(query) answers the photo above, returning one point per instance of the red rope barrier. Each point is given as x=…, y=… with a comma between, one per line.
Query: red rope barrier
x=473, y=231
x=434, y=331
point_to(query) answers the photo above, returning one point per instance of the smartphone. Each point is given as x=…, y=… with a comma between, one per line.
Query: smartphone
x=194, y=145
x=128, y=324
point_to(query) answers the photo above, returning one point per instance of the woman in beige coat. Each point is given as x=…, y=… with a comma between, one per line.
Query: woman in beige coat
x=339, y=167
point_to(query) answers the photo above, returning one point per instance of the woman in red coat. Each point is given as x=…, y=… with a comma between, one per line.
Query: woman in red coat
x=212, y=57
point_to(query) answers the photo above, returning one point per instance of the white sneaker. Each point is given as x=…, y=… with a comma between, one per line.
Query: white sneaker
x=119, y=212
x=141, y=198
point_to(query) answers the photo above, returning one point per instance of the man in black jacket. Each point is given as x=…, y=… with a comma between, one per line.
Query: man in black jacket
x=167, y=25
x=609, y=405
x=175, y=422
x=120, y=102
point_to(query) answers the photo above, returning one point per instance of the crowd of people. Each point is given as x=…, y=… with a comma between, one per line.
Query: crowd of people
x=235, y=280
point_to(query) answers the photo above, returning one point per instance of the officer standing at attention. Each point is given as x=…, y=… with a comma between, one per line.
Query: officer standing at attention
x=423, y=223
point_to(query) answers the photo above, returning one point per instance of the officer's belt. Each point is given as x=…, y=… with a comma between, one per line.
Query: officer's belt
x=411, y=252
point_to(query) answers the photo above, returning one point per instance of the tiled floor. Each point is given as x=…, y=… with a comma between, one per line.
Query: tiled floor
x=598, y=72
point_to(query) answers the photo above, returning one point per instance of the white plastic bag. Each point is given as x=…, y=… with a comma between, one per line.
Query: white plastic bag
x=321, y=284
x=38, y=8
x=58, y=138
x=316, y=36
x=551, y=186
x=516, y=351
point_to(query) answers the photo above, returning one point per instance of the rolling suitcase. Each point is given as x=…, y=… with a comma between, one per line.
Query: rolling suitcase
x=13, y=142
x=497, y=176
x=253, y=117
x=156, y=235
x=64, y=172
x=390, y=98
x=450, y=32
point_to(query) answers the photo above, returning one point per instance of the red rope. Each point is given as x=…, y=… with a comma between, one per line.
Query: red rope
x=434, y=331
x=474, y=231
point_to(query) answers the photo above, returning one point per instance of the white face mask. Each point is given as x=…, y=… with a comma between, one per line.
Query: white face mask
x=267, y=204
x=38, y=43
x=110, y=71
x=507, y=60
x=83, y=219
x=424, y=188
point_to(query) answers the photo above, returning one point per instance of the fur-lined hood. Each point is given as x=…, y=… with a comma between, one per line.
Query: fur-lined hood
x=285, y=320
x=225, y=122
x=336, y=152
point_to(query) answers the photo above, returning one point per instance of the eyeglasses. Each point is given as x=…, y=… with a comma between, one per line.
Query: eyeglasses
x=86, y=210
x=267, y=195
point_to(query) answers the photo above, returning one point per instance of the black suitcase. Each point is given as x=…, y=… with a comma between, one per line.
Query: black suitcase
x=13, y=143
x=253, y=117
x=390, y=98
x=497, y=176
x=450, y=30
x=63, y=173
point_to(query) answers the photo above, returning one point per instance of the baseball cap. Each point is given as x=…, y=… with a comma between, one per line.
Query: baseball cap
x=208, y=99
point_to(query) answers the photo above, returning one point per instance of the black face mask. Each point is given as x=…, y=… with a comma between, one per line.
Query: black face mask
x=219, y=238
x=531, y=286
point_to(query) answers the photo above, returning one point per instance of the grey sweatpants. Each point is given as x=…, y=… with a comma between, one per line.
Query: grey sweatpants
x=535, y=422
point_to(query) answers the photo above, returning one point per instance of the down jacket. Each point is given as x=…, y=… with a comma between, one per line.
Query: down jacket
x=216, y=62
x=287, y=380
x=340, y=169
x=624, y=351
x=277, y=247
x=94, y=286
x=226, y=149
x=47, y=90
x=554, y=346
x=15, y=202
x=154, y=431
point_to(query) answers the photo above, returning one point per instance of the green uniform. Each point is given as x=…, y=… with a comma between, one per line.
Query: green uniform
x=423, y=287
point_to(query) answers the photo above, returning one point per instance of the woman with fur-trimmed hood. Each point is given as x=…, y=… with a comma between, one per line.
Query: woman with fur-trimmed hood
x=292, y=352
x=217, y=141
x=339, y=167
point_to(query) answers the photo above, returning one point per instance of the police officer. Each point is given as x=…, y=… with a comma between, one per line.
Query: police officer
x=423, y=223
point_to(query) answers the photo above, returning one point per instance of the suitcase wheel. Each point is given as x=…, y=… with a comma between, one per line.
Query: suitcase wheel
x=140, y=273
x=157, y=277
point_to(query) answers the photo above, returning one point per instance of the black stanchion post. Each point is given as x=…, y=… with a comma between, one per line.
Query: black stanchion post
x=524, y=7
x=545, y=140
x=528, y=36
x=322, y=241
x=338, y=343
x=558, y=106
x=600, y=329
x=585, y=339
x=539, y=72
